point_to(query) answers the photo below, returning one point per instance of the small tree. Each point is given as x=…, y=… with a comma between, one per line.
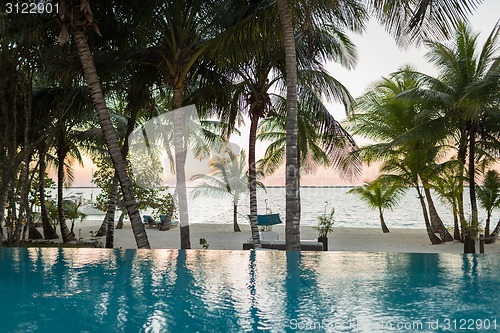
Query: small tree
x=489, y=196
x=147, y=195
x=230, y=177
x=381, y=195
x=72, y=212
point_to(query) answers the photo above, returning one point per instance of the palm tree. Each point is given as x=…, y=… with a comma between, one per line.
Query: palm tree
x=396, y=123
x=407, y=21
x=180, y=34
x=489, y=196
x=318, y=40
x=381, y=195
x=74, y=214
x=322, y=140
x=464, y=98
x=230, y=177
x=405, y=172
x=76, y=17
x=447, y=185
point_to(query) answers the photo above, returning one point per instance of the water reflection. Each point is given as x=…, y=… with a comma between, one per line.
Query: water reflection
x=232, y=291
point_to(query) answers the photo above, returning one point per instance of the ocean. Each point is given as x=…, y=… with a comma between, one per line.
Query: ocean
x=350, y=211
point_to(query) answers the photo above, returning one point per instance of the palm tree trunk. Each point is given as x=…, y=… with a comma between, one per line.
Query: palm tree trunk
x=432, y=236
x=110, y=214
x=436, y=222
x=487, y=225
x=382, y=221
x=252, y=180
x=456, y=230
x=472, y=184
x=92, y=79
x=48, y=230
x=180, y=172
x=462, y=152
x=236, y=227
x=65, y=232
x=494, y=234
x=292, y=226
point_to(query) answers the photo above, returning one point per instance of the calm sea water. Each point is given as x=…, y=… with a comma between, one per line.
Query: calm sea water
x=96, y=290
x=350, y=211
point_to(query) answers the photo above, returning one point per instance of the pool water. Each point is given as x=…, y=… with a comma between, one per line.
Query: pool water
x=97, y=290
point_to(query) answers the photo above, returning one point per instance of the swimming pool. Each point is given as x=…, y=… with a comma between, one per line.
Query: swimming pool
x=97, y=290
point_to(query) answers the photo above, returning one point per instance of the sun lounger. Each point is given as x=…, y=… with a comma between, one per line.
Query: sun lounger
x=150, y=221
x=173, y=223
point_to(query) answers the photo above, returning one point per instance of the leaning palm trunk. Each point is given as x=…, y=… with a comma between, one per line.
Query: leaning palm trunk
x=236, y=227
x=292, y=172
x=436, y=222
x=92, y=79
x=487, y=225
x=494, y=235
x=252, y=180
x=110, y=212
x=180, y=172
x=382, y=221
x=432, y=236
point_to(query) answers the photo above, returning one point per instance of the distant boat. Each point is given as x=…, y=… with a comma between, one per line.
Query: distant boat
x=91, y=209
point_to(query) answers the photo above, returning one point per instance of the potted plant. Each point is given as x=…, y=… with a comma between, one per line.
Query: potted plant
x=324, y=227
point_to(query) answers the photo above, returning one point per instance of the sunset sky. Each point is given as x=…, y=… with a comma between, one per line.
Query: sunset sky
x=378, y=56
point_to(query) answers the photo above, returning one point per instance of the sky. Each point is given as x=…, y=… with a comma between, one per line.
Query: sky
x=378, y=56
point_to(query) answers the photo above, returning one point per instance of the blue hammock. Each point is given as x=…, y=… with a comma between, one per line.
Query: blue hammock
x=269, y=219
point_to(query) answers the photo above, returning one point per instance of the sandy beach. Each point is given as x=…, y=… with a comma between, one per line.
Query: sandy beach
x=222, y=237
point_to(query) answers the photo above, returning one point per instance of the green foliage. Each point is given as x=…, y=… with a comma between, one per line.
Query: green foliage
x=379, y=194
x=34, y=188
x=147, y=197
x=489, y=193
x=204, y=243
x=71, y=211
x=230, y=177
x=325, y=224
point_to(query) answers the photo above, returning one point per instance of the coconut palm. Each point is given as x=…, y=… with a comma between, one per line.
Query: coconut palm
x=180, y=34
x=73, y=214
x=322, y=140
x=463, y=98
x=489, y=196
x=76, y=17
x=395, y=123
x=447, y=185
x=381, y=195
x=407, y=21
x=230, y=177
x=318, y=39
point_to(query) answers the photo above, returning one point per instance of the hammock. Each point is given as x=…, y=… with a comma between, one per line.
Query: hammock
x=268, y=219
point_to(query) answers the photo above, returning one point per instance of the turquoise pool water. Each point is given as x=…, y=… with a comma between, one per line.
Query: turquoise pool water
x=95, y=290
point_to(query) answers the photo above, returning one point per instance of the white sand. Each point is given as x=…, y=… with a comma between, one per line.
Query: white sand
x=222, y=237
